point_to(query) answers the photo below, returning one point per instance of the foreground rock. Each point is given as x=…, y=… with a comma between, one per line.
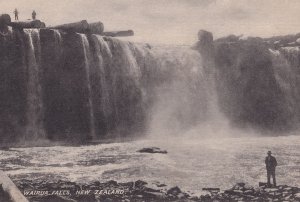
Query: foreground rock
x=240, y=192
x=8, y=190
x=152, y=150
x=64, y=191
x=4, y=195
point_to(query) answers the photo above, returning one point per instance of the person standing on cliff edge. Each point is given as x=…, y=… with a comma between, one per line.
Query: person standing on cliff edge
x=16, y=12
x=271, y=164
x=33, y=15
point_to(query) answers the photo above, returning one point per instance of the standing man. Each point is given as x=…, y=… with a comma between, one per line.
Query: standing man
x=271, y=164
x=16, y=12
x=33, y=14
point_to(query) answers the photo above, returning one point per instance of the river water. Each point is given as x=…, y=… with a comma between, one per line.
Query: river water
x=191, y=163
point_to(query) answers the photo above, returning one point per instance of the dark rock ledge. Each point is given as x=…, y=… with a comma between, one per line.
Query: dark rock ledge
x=152, y=150
x=142, y=191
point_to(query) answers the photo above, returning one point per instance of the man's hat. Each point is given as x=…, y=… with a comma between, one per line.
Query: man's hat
x=269, y=152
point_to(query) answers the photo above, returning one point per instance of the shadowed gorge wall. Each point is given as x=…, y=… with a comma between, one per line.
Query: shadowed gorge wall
x=258, y=85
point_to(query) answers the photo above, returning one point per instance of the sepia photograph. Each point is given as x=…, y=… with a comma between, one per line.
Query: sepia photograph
x=149, y=100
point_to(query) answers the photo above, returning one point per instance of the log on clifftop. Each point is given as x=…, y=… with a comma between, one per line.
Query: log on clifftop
x=27, y=24
x=81, y=27
x=119, y=33
x=96, y=28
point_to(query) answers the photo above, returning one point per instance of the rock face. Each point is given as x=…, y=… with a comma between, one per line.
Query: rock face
x=5, y=19
x=152, y=150
x=4, y=30
x=142, y=191
x=252, y=85
x=205, y=37
x=205, y=44
x=263, y=193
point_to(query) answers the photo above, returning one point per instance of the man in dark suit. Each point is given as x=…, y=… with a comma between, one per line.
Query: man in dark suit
x=33, y=15
x=16, y=12
x=271, y=164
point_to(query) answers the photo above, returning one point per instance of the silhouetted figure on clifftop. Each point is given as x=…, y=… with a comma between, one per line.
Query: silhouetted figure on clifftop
x=16, y=12
x=271, y=164
x=33, y=15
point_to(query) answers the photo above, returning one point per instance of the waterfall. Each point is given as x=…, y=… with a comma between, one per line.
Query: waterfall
x=58, y=43
x=76, y=87
x=125, y=85
x=103, y=108
x=181, y=95
x=87, y=55
x=286, y=65
x=34, y=128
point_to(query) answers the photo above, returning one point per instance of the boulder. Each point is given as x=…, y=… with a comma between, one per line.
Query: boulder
x=211, y=189
x=157, y=195
x=271, y=189
x=140, y=183
x=297, y=196
x=161, y=185
x=240, y=184
x=248, y=192
x=152, y=150
x=298, y=41
x=205, y=197
x=112, y=183
x=238, y=191
x=205, y=47
x=262, y=184
x=5, y=19
x=174, y=191
x=205, y=36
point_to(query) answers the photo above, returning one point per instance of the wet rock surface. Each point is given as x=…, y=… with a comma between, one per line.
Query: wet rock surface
x=241, y=192
x=63, y=191
x=152, y=150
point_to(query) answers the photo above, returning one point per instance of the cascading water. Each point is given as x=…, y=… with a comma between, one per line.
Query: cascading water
x=87, y=86
x=83, y=87
x=58, y=43
x=286, y=68
x=87, y=55
x=102, y=107
x=179, y=90
x=258, y=85
x=34, y=127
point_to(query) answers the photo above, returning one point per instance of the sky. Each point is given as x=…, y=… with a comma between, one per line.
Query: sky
x=169, y=21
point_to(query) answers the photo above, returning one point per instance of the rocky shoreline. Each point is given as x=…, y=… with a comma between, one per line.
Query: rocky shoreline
x=65, y=191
